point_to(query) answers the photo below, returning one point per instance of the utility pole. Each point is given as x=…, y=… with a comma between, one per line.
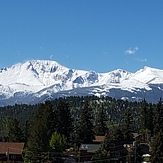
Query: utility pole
x=79, y=157
x=134, y=145
x=128, y=147
x=8, y=155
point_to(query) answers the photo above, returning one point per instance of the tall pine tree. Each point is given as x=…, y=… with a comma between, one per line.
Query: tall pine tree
x=100, y=122
x=85, y=133
x=40, y=134
x=157, y=148
x=157, y=144
x=146, y=119
x=127, y=125
x=63, y=120
x=15, y=132
x=158, y=119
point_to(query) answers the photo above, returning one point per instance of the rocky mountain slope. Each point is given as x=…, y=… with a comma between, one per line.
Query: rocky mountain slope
x=37, y=80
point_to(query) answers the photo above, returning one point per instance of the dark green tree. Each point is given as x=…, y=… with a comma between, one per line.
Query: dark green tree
x=15, y=132
x=150, y=118
x=157, y=145
x=40, y=133
x=6, y=122
x=63, y=120
x=144, y=114
x=127, y=125
x=157, y=148
x=158, y=118
x=117, y=133
x=84, y=132
x=100, y=122
x=146, y=120
x=26, y=131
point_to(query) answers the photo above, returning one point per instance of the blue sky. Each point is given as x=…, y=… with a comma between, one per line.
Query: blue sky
x=99, y=35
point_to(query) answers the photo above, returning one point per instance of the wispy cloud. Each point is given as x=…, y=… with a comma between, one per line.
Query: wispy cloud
x=131, y=51
x=141, y=60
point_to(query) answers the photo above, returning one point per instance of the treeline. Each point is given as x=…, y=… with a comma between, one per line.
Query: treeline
x=51, y=127
x=113, y=107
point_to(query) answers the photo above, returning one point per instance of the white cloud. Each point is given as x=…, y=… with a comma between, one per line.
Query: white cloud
x=131, y=51
x=141, y=60
x=136, y=48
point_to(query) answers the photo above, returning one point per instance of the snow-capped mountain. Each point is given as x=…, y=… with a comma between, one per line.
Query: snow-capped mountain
x=37, y=80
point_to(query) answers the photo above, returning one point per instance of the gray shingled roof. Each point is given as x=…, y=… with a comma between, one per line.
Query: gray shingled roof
x=90, y=147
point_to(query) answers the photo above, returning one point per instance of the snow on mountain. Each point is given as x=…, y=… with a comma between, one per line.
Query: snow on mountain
x=44, y=79
x=149, y=75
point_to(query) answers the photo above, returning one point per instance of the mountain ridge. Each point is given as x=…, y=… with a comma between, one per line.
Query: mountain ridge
x=49, y=79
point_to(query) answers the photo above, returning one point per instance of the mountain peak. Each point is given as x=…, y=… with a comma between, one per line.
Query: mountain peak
x=149, y=75
x=44, y=66
x=45, y=62
x=147, y=68
x=46, y=77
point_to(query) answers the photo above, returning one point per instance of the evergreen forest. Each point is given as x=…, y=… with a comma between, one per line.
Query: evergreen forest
x=50, y=128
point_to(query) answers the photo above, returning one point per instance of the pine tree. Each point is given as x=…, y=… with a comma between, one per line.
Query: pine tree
x=158, y=119
x=117, y=133
x=157, y=148
x=157, y=144
x=146, y=119
x=85, y=133
x=6, y=122
x=26, y=131
x=127, y=125
x=63, y=120
x=15, y=133
x=40, y=133
x=100, y=122
x=144, y=113
x=150, y=118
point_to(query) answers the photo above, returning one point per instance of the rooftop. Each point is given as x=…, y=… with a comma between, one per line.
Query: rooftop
x=11, y=147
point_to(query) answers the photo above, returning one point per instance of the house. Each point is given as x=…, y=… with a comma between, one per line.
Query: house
x=121, y=150
x=118, y=151
x=99, y=139
x=11, y=151
x=88, y=150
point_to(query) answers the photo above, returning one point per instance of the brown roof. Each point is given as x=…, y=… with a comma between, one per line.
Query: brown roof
x=11, y=147
x=99, y=139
